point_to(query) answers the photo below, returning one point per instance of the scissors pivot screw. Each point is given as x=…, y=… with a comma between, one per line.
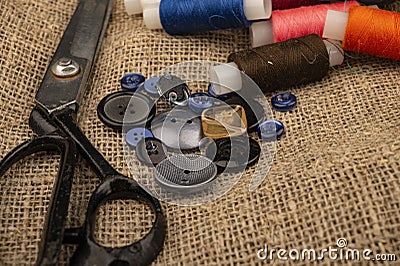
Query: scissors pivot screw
x=65, y=68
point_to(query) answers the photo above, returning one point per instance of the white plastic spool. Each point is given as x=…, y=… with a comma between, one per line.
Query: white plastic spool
x=336, y=24
x=226, y=78
x=253, y=10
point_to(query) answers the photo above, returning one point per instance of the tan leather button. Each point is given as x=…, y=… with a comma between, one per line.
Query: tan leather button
x=224, y=121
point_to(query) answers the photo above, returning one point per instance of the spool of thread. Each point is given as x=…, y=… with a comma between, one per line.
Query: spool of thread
x=279, y=65
x=287, y=4
x=366, y=30
x=374, y=2
x=179, y=17
x=293, y=23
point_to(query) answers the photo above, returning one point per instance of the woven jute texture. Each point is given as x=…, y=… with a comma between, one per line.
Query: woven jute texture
x=335, y=174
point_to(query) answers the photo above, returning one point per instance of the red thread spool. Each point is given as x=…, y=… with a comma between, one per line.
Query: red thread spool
x=294, y=23
x=373, y=31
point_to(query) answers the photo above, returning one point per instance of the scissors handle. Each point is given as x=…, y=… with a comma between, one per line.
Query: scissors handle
x=142, y=252
x=114, y=186
x=53, y=230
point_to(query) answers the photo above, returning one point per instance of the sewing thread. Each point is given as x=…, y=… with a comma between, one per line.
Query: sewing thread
x=297, y=22
x=287, y=4
x=373, y=31
x=188, y=16
x=285, y=64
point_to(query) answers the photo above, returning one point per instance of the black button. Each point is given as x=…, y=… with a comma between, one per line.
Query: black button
x=174, y=90
x=233, y=154
x=185, y=173
x=178, y=129
x=127, y=109
x=151, y=151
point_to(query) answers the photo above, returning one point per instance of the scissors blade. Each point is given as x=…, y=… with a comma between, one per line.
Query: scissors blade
x=70, y=68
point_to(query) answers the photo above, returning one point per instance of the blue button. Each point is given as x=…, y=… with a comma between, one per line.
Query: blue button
x=132, y=81
x=284, y=101
x=135, y=135
x=200, y=101
x=270, y=130
x=150, y=85
x=221, y=97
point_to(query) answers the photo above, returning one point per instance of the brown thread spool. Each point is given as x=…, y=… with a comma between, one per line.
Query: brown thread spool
x=284, y=64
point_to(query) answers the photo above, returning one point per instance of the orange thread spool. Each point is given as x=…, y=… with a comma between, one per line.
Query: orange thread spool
x=373, y=31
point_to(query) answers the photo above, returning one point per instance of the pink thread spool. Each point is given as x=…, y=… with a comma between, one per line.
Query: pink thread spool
x=294, y=23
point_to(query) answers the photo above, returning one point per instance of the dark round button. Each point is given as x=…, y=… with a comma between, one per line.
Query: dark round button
x=271, y=130
x=185, y=173
x=151, y=151
x=200, y=101
x=255, y=113
x=135, y=135
x=173, y=89
x=124, y=108
x=284, y=101
x=234, y=154
x=150, y=85
x=132, y=81
x=178, y=129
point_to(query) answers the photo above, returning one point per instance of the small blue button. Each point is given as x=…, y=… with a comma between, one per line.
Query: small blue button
x=150, y=85
x=132, y=81
x=270, y=130
x=284, y=101
x=135, y=135
x=200, y=101
x=221, y=97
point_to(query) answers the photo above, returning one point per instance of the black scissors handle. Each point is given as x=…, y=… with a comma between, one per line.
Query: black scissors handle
x=53, y=120
x=53, y=231
x=113, y=186
x=61, y=134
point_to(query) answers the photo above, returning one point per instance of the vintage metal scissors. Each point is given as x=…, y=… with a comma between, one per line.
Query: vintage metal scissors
x=53, y=119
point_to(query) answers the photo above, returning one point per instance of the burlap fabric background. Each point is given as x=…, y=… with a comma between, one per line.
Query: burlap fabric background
x=336, y=172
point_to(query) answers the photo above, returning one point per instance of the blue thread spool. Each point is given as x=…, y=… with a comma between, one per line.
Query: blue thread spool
x=189, y=16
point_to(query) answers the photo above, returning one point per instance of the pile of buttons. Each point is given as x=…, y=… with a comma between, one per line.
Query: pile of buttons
x=217, y=126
